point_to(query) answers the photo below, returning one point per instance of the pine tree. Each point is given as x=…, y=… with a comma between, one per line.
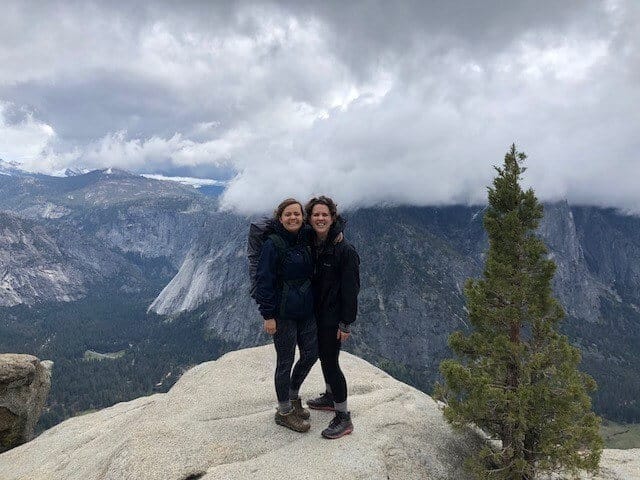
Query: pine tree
x=515, y=376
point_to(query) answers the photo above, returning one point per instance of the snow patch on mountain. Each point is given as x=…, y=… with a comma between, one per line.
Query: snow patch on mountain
x=191, y=181
x=70, y=172
x=11, y=168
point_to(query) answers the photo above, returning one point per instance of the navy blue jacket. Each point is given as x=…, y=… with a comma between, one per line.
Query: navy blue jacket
x=290, y=275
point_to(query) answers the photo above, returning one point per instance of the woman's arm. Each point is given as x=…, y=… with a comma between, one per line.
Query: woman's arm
x=349, y=287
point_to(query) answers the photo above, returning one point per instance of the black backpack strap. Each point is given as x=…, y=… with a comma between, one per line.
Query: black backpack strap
x=281, y=246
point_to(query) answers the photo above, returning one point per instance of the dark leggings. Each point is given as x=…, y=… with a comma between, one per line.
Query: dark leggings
x=329, y=350
x=288, y=334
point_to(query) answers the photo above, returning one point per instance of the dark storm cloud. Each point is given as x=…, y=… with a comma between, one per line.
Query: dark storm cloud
x=371, y=101
x=366, y=31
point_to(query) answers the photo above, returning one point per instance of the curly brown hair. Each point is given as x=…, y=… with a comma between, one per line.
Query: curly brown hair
x=277, y=213
x=321, y=200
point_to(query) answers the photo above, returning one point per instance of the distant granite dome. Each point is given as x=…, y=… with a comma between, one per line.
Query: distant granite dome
x=217, y=423
x=73, y=172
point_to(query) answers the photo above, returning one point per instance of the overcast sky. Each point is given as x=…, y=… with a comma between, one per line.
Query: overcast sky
x=368, y=101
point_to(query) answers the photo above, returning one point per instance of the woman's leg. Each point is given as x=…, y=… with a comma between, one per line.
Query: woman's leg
x=329, y=350
x=329, y=347
x=308, y=346
x=285, y=342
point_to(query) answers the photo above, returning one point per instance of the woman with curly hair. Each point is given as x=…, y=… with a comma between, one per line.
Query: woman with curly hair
x=336, y=283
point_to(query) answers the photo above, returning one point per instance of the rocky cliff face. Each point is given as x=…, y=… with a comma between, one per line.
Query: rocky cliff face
x=576, y=286
x=162, y=228
x=415, y=262
x=62, y=236
x=611, y=244
x=57, y=263
x=126, y=211
x=33, y=266
x=211, y=269
x=217, y=422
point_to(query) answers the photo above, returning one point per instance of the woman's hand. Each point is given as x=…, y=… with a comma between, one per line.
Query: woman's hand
x=342, y=336
x=270, y=326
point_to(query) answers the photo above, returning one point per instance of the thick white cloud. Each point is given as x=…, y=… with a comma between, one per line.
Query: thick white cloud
x=23, y=140
x=368, y=103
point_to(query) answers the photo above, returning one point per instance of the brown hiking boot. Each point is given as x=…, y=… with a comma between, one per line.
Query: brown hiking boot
x=292, y=421
x=299, y=409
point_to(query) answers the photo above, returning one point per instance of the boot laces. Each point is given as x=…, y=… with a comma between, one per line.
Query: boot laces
x=335, y=422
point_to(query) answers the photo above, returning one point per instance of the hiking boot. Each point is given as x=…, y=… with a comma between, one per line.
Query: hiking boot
x=292, y=421
x=299, y=410
x=323, y=402
x=338, y=427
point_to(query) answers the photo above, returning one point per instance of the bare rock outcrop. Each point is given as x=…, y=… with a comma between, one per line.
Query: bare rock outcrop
x=217, y=423
x=24, y=385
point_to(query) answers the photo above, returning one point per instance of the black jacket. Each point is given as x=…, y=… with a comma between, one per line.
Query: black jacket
x=336, y=282
x=283, y=286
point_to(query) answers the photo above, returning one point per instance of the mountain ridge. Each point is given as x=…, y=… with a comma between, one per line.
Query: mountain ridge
x=170, y=241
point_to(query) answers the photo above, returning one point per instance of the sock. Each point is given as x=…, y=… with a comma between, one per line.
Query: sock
x=293, y=394
x=284, y=407
x=341, y=407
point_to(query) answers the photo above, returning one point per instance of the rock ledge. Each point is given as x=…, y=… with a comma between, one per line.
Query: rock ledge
x=217, y=423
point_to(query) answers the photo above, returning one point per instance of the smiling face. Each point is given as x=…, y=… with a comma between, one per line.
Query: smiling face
x=291, y=218
x=321, y=220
